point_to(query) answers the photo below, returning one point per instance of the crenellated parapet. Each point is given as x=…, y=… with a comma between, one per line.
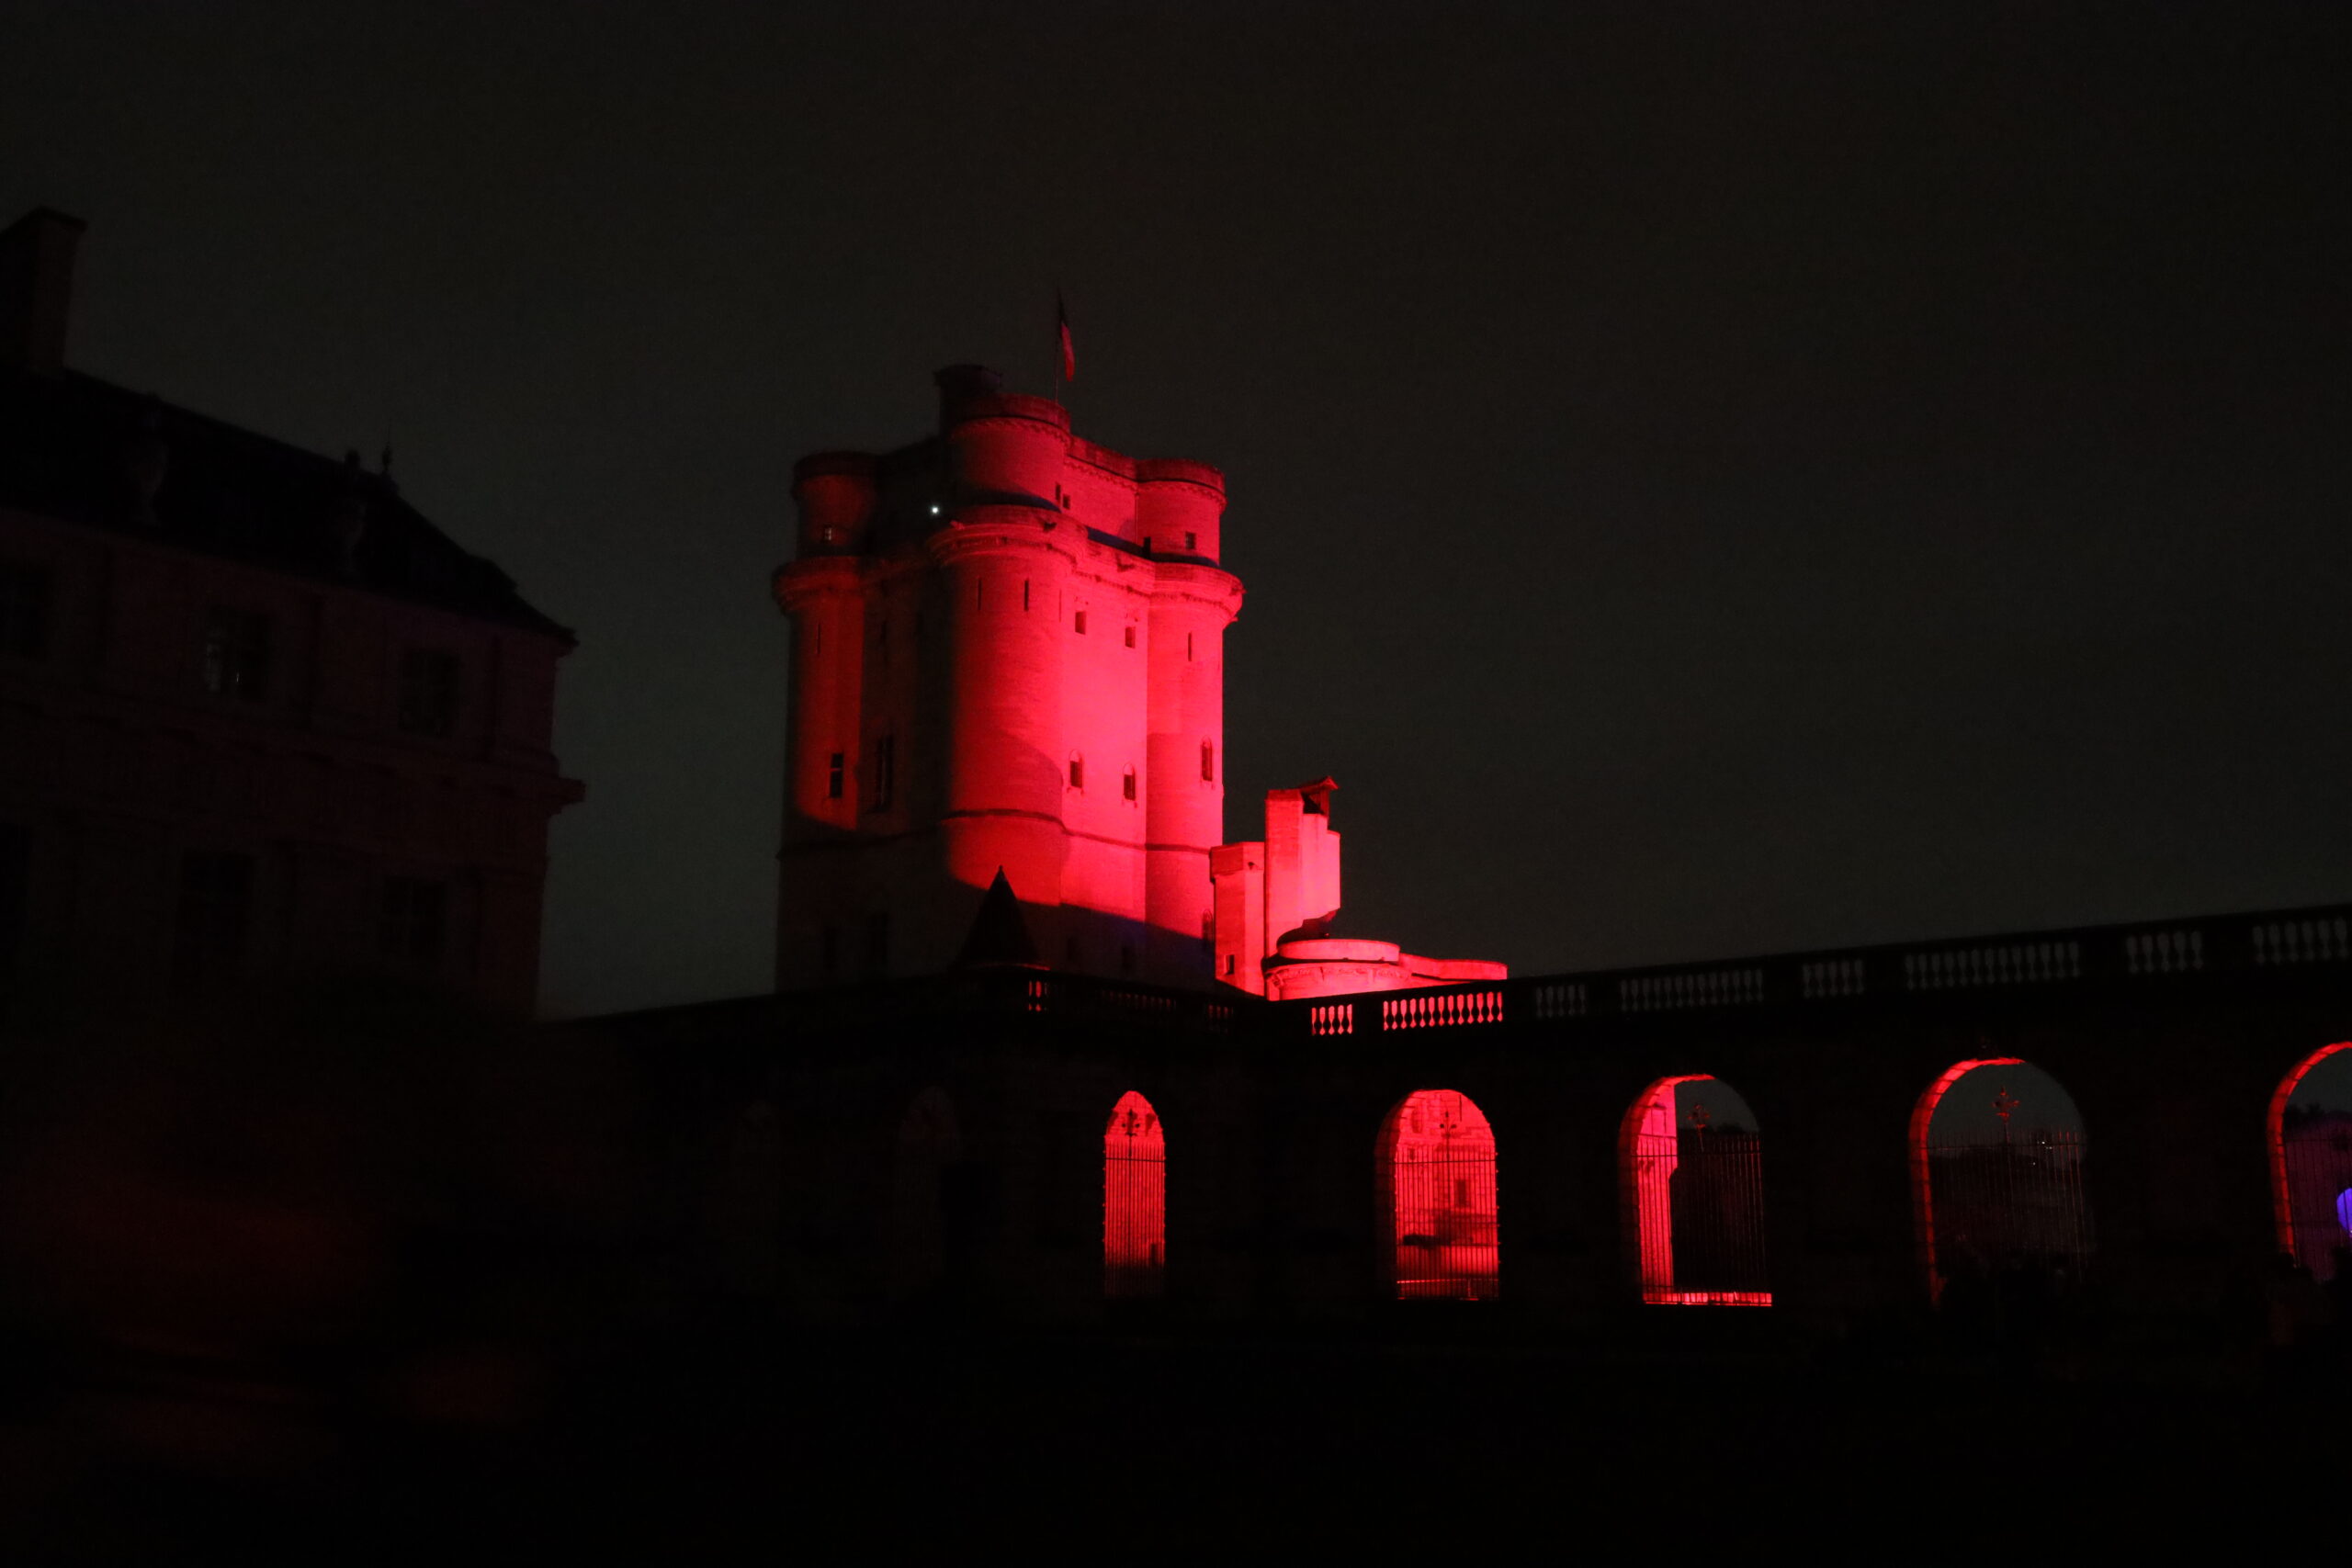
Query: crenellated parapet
x=1009, y=657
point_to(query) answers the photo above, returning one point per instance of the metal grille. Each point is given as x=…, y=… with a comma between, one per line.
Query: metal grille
x=1134, y=1202
x=2011, y=1206
x=2318, y=1150
x=1440, y=1177
x=1698, y=1196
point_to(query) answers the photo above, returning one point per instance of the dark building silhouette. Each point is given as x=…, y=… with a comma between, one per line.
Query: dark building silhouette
x=261, y=722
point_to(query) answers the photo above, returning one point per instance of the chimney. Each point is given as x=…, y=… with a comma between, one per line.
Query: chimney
x=37, y=289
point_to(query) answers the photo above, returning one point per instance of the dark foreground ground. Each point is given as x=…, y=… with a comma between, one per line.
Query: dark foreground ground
x=734, y=1443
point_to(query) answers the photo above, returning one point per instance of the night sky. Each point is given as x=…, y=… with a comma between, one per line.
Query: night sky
x=1708, y=480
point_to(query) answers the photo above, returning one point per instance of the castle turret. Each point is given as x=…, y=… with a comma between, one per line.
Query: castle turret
x=1008, y=656
x=1276, y=900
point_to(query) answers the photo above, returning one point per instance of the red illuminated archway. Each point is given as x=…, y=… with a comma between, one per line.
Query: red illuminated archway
x=1134, y=1201
x=2307, y=1178
x=1436, y=1175
x=1691, y=1177
x=2011, y=1201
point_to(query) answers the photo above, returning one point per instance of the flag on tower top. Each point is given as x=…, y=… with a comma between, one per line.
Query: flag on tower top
x=1069, y=354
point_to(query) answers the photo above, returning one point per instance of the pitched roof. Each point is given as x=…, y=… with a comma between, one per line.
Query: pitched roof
x=75, y=447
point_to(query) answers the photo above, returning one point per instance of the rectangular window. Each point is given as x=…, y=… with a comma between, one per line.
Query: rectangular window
x=1127, y=784
x=236, y=654
x=1024, y=596
x=1192, y=544
x=428, y=692
x=24, y=610
x=1079, y=622
x=1131, y=636
x=1078, y=773
x=836, y=771
x=1208, y=762
x=886, y=772
x=413, y=931
x=1188, y=648
x=212, y=921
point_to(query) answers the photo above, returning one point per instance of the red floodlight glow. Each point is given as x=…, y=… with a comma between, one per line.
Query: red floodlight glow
x=1135, y=1200
x=1436, y=1173
x=1648, y=1152
x=1923, y=1201
x=2274, y=1130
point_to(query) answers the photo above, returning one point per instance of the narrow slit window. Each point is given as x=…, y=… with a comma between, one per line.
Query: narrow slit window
x=836, y=771
x=1188, y=648
x=1131, y=636
x=1025, y=594
x=1077, y=771
x=1208, y=762
x=1077, y=623
x=1127, y=785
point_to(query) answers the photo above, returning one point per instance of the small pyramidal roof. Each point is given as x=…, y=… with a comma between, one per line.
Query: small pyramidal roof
x=998, y=934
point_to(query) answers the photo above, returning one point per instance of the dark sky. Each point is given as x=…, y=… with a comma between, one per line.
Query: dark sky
x=1709, y=478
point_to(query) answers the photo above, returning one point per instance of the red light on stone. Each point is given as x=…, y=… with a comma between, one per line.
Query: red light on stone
x=1436, y=1172
x=1723, y=1195
x=1134, y=1201
x=1923, y=1198
x=2283, y=1196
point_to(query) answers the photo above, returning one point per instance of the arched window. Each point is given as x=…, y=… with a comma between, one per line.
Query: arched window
x=1436, y=1168
x=1996, y=1177
x=1693, y=1177
x=928, y=1144
x=2310, y=1160
x=1134, y=1201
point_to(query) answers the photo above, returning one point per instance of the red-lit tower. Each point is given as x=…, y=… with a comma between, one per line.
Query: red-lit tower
x=1007, y=652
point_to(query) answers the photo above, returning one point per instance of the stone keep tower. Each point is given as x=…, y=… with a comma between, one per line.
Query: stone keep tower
x=1008, y=653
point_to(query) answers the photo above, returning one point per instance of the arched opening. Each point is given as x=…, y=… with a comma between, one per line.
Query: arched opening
x=1996, y=1180
x=1134, y=1201
x=1436, y=1174
x=2311, y=1161
x=929, y=1146
x=1694, y=1172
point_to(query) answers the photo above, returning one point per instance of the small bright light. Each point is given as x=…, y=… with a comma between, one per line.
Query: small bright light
x=934, y=512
